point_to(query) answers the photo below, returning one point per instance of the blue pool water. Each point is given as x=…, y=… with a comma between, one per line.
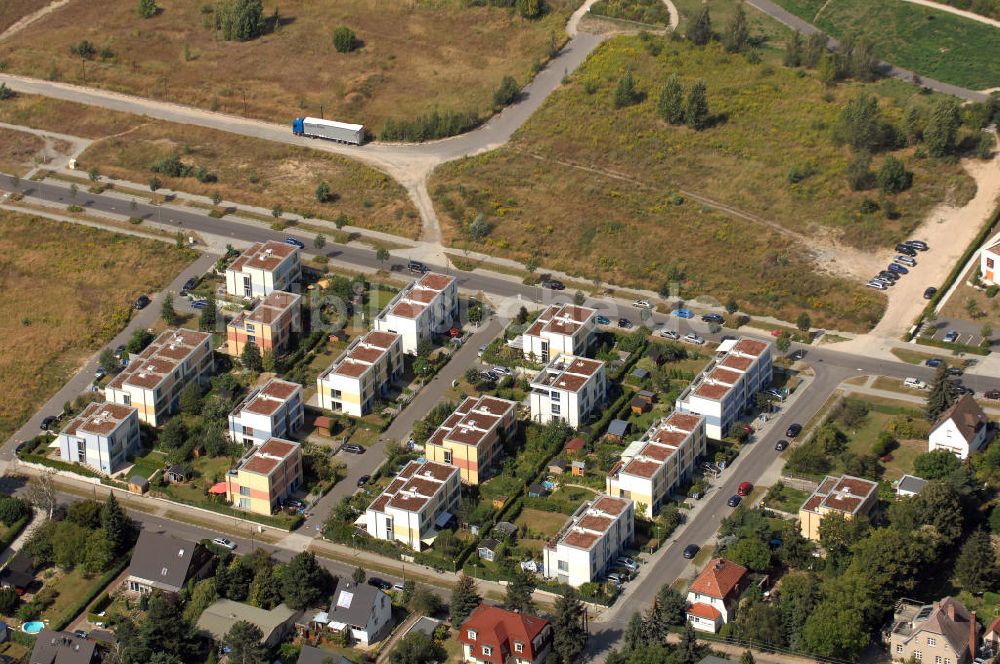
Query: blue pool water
x=33, y=627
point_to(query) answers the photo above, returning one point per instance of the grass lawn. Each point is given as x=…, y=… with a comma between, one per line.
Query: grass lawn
x=67, y=290
x=407, y=57
x=761, y=25
x=928, y=41
x=148, y=464
x=790, y=501
x=209, y=470
x=912, y=356
x=73, y=586
x=539, y=521
x=896, y=385
x=586, y=189
x=17, y=150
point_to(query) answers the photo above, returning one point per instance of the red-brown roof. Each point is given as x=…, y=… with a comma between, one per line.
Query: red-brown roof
x=500, y=630
x=750, y=346
x=719, y=578
x=706, y=611
x=967, y=416
x=434, y=281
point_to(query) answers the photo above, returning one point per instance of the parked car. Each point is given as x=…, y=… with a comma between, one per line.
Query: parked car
x=188, y=285
x=917, y=244
x=781, y=445
x=353, y=449
x=398, y=586
x=890, y=276
x=482, y=349
x=80, y=633
x=628, y=563
x=503, y=371
x=199, y=304
x=48, y=421
x=642, y=304
x=797, y=355
x=683, y=313
x=603, y=320
x=962, y=389
x=363, y=480
x=906, y=260
x=915, y=384
x=934, y=362
x=691, y=550
x=120, y=351
x=667, y=333
x=712, y=318
x=295, y=243
x=929, y=292
x=906, y=250
x=693, y=338
x=992, y=394
x=624, y=323
x=381, y=584
x=416, y=266
x=616, y=578
x=141, y=302
x=553, y=284
x=877, y=285
x=776, y=393
x=793, y=430
x=733, y=501
x=954, y=371
x=951, y=337
x=744, y=489
x=896, y=267
x=224, y=543
x=99, y=374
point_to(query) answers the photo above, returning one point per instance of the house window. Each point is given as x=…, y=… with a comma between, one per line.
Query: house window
x=472, y=635
x=989, y=262
x=487, y=651
x=563, y=566
x=917, y=655
x=518, y=646
x=899, y=647
x=447, y=456
x=556, y=409
x=127, y=399
x=931, y=641
x=247, y=288
x=244, y=491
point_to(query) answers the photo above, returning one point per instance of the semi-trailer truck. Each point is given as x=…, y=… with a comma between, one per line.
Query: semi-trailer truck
x=329, y=129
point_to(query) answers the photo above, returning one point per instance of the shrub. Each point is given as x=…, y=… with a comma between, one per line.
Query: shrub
x=147, y=8
x=12, y=510
x=430, y=126
x=892, y=176
x=344, y=39
x=859, y=175
x=84, y=50
x=868, y=206
x=240, y=20
x=992, y=290
x=5, y=92
x=507, y=92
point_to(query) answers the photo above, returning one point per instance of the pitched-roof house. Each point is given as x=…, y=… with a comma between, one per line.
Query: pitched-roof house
x=363, y=609
x=713, y=596
x=492, y=635
x=216, y=620
x=62, y=648
x=944, y=631
x=962, y=429
x=164, y=562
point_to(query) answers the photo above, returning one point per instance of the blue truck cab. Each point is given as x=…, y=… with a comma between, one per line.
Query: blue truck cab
x=297, y=126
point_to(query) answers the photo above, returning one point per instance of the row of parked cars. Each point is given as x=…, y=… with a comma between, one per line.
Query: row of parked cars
x=900, y=265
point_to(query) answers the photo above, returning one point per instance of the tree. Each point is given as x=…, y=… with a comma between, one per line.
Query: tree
x=190, y=398
x=147, y=8
x=344, y=39
x=689, y=650
x=696, y=113
x=359, y=575
x=784, y=342
x=240, y=20
x=464, y=599
x=418, y=648
x=747, y=656
x=479, y=228
x=793, y=50
x=814, y=50
x=304, y=582
x=202, y=596
x=117, y=526
x=507, y=92
x=937, y=506
x=519, y=592
x=154, y=184
x=941, y=395
x=860, y=124
x=522, y=315
x=671, y=104
x=207, y=319
x=166, y=630
x=341, y=221
x=935, y=465
x=757, y=622
x=570, y=635
x=319, y=241
x=251, y=359
x=976, y=567
x=41, y=491
x=625, y=93
x=669, y=606
x=700, y=32
x=8, y=601
x=425, y=602
x=530, y=9
x=752, y=553
x=942, y=127
x=167, y=313
x=635, y=632
x=837, y=534
x=5, y=92
x=98, y=554
x=323, y=192
x=892, y=176
x=107, y=361
x=737, y=32
x=244, y=640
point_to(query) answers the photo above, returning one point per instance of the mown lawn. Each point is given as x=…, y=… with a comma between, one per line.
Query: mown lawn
x=539, y=521
x=587, y=189
x=73, y=586
x=928, y=41
x=67, y=290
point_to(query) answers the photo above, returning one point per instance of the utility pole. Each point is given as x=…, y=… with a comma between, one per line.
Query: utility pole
x=244, y=102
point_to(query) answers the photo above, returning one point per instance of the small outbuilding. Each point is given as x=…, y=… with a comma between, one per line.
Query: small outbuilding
x=488, y=549
x=138, y=484
x=617, y=430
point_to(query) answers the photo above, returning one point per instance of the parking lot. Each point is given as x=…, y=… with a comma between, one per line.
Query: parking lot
x=969, y=332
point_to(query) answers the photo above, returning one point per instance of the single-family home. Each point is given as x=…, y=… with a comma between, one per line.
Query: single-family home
x=271, y=324
x=909, y=485
x=63, y=648
x=264, y=268
x=363, y=609
x=266, y=477
x=962, y=429
x=566, y=329
x=362, y=374
x=422, y=498
x=569, y=388
x=166, y=563
x=18, y=573
x=472, y=438
x=426, y=307
x=153, y=380
x=491, y=635
x=220, y=616
x=714, y=594
x=276, y=410
x=944, y=631
x=991, y=637
x=311, y=655
x=846, y=495
x=588, y=545
x=101, y=437
x=989, y=264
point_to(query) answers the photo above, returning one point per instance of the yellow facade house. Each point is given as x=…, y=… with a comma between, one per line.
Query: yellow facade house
x=472, y=437
x=266, y=477
x=845, y=495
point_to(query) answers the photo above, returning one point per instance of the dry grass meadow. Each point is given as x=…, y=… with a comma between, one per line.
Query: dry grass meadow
x=67, y=289
x=415, y=55
x=65, y=117
x=17, y=149
x=12, y=11
x=595, y=184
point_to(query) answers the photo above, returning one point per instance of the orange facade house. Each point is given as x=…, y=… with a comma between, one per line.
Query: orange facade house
x=270, y=325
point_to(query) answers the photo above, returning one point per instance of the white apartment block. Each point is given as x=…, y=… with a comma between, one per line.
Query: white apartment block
x=153, y=380
x=427, y=306
x=274, y=411
x=263, y=268
x=652, y=467
x=586, y=548
x=102, y=436
x=989, y=264
x=560, y=330
x=361, y=374
x=422, y=498
x=569, y=388
x=726, y=387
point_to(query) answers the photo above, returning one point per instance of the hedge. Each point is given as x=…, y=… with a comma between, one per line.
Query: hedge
x=75, y=610
x=14, y=529
x=288, y=524
x=21, y=638
x=58, y=464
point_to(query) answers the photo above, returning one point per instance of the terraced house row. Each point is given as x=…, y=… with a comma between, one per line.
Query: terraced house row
x=362, y=374
x=270, y=325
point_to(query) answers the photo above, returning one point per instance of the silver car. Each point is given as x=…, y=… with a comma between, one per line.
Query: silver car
x=667, y=333
x=693, y=338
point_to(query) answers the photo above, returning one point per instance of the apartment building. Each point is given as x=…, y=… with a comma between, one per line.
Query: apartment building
x=270, y=325
x=652, y=467
x=587, y=547
x=264, y=268
x=102, y=436
x=726, y=387
x=569, y=388
x=845, y=495
x=363, y=373
x=427, y=306
x=422, y=498
x=472, y=437
x=989, y=264
x=561, y=329
x=264, y=478
x=274, y=411
x=153, y=380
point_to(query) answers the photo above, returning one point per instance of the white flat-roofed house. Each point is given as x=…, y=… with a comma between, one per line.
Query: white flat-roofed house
x=426, y=307
x=726, y=387
x=560, y=330
x=362, y=374
x=569, y=388
x=587, y=547
x=961, y=430
x=274, y=411
x=668, y=455
x=153, y=380
x=989, y=264
x=102, y=436
x=422, y=498
x=264, y=268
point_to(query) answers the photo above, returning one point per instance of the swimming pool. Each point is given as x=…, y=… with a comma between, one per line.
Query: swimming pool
x=33, y=627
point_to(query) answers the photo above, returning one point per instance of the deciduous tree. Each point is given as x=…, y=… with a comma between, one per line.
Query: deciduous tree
x=147, y=8
x=696, y=113
x=671, y=104
x=737, y=32
x=519, y=592
x=942, y=127
x=250, y=358
x=418, y=648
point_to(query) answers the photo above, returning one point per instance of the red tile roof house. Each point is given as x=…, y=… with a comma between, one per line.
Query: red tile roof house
x=495, y=636
x=962, y=429
x=713, y=596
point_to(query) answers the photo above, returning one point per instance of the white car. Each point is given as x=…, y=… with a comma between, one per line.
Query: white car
x=915, y=384
x=693, y=338
x=224, y=543
x=667, y=333
x=642, y=304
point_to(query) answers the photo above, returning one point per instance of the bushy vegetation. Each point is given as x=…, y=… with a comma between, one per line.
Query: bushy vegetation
x=172, y=166
x=430, y=126
x=652, y=12
x=240, y=20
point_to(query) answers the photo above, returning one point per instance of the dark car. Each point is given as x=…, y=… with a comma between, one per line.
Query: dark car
x=141, y=302
x=886, y=274
x=295, y=243
x=934, y=362
x=603, y=320
x=733, y=501
x=797, y=355
x=794, y=430
x=781, y=445
x=953, y=371
x=188, y=285
x=381, y=584
x=896, y=267
x=712, y=318
x=553, y=284
x=992, y=394
x=917, y=244
x=120, y=351
x=48, y=421
x=624, y=323
x=80, y=633
x=363, y=480
x=962, y=389
x=353, y=449
x=906, y=250
x=416, y=266
x=691, y=550
x=929, y=292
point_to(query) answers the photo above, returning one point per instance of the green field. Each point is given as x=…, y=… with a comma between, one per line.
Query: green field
x=930, y=42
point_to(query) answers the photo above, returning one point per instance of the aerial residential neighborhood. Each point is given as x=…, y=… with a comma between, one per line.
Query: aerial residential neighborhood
x=507, y=332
